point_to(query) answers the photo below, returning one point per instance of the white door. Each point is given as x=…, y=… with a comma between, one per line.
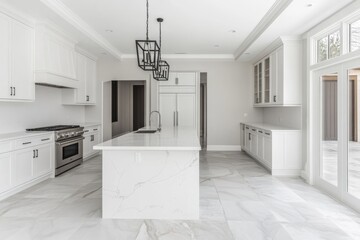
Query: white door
x=21, y=167
x=22, y=61
x=186, y=79
x=42, y=160
x=5, y=171
x=253, y=143
x=5, y=90
x=186, y=110
x=247, y=137
x=90, y=80
x=261, y=140
x=81, y=77
x=167, y=109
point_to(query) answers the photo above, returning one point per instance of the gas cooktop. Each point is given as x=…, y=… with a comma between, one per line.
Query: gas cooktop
x=53, y=128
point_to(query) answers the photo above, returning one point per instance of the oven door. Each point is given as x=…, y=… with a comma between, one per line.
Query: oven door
x=68, y=151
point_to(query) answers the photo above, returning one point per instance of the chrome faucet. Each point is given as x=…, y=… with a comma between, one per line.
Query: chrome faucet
x=159, y=127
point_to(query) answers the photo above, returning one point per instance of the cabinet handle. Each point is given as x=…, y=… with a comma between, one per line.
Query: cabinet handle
x=247, y=127
x=177, y=80
x=86, y=131
x=95, y=129
x=260, y=131
x=254, y=130
x=45, y=139
x=92, y=138
x=37, y=153
x=174, y=119
x=11, y=91
x=274, y=98
x=250, y=136
x=177, y=118
x=267, y=134
x=34, y=154
x=26, y=143
x=14, y=91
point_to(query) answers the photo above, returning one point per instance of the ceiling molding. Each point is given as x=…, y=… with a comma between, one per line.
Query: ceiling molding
x=187, y=57
x=273, y=13
x=67, y=14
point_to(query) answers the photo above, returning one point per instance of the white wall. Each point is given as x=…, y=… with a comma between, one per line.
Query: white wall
x=229, y=93
x=46, y=110
x=283, y=116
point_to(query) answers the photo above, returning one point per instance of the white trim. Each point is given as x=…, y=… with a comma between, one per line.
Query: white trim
x=304, y=176
x=274, y=12
x=229, y=57
x=67, y=14
x=223, y=148
x=286, y=172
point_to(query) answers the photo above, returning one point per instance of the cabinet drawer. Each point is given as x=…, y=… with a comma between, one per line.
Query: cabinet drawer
x=254, y=130
x=261, y=132
x=30, y=142
x=267, y=133
x=92, y=129
x=5, y=147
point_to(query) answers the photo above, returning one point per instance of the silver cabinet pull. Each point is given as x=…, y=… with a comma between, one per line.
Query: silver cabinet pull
x=177, y=118
x=11, y=91
x=267, y=134
x=95, y=129
x=37, y=153
x=177, y=80
x=26, y=143
x=45, y=139
x=250, y=136
x=174, y=119
x=274, y=98
x=34, y=154
x=14, y=91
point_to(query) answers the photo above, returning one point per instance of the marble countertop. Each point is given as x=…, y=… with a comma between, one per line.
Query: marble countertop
x=181, y=139
x=23, y=134
x=270, y=127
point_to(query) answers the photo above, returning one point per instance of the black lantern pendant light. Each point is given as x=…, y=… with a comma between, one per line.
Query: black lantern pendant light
x=163, y=70
x=148, y=51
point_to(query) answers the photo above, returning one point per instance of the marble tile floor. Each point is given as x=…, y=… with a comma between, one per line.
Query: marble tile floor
x=239, y=200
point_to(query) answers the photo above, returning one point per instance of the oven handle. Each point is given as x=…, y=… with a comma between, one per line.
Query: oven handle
x=66, y=142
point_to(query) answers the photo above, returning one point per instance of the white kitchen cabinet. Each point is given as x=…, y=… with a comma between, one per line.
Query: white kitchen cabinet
x=277, y=77
x=84, y=93
x=25, y=161
x=55, y=58
x=91, y=138
x=178, y=109
x=16, y=60
x=180, y=79
x=42, y=160
x=276, y=148
x=5, y=171
x=242, y=136
x=21, y=166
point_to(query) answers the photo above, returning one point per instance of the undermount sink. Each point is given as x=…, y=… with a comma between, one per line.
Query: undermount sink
x=146, y=131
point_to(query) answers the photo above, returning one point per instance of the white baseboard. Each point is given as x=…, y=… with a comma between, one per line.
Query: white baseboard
x=304, y=175
x=223, y=148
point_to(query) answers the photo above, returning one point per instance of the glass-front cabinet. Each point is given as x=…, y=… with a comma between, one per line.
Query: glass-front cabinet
x=262, y=82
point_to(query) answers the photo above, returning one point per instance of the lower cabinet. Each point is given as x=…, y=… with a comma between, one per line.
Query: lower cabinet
x=277, y=150
x=42, y=160
x=5, y=171
x=91, y=138
x=21, y=167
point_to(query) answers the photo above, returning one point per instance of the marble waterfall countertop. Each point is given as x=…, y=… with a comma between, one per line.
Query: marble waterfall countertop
x=181, y=139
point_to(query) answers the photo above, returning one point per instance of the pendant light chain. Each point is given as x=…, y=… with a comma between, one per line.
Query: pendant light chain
x=147, y=19
x=160, y=40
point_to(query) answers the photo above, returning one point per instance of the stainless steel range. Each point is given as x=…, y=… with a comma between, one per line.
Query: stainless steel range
x=68, y=146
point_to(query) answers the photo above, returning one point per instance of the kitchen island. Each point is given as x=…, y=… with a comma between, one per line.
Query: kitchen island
x=151, y=175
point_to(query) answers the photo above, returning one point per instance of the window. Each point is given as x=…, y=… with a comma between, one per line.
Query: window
x=354, y=36
x=329, y=46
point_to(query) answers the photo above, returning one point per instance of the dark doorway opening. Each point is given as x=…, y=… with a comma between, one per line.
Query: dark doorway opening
x=138, y=107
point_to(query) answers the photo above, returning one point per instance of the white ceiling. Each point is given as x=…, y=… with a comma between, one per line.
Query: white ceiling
x=190, y=26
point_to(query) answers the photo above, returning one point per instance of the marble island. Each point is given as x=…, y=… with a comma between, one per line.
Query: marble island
x=151, y=175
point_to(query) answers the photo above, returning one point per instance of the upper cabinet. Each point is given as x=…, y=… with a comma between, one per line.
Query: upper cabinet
x=185, y=82
x=277, y=77
x=16, y=60
x=55, y=58
x=84, y=93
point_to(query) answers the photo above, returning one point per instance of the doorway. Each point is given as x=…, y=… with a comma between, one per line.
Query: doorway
x=336, y=114
x=203, y=110
x=128, y=106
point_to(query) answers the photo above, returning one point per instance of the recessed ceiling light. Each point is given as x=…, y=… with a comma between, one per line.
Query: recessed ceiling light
x=309, y=5
x=217, y=45
x=109, y=30
x=232, y=31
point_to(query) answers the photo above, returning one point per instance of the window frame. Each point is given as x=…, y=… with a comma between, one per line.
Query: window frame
x=326, y=33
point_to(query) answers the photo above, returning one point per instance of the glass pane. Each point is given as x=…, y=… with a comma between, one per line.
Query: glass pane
x=256, y=76
x=334, y=44
x=354, y=134
x=329, y=129
x=267, y=80
x=260, y=82
x=323, y=49
x=355, y=36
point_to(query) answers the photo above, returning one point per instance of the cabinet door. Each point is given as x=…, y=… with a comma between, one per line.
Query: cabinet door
x=186, y=79
x=256, y=86
x=5, y=171
x=247, y=138
x=87, y=145
x=273, y=78
x=267, y=78
x=90, y=80
x=4, y=57
x=67, y=61
x=167, y=109
x=253, y=143
x=81, y=77
x=21, y=167
x=267, y=150
x=171, y=81
x=22, y=61
x=260, y=81
x=186, y=110
x=260, y=146
x=42, y=160
x=279, y=76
